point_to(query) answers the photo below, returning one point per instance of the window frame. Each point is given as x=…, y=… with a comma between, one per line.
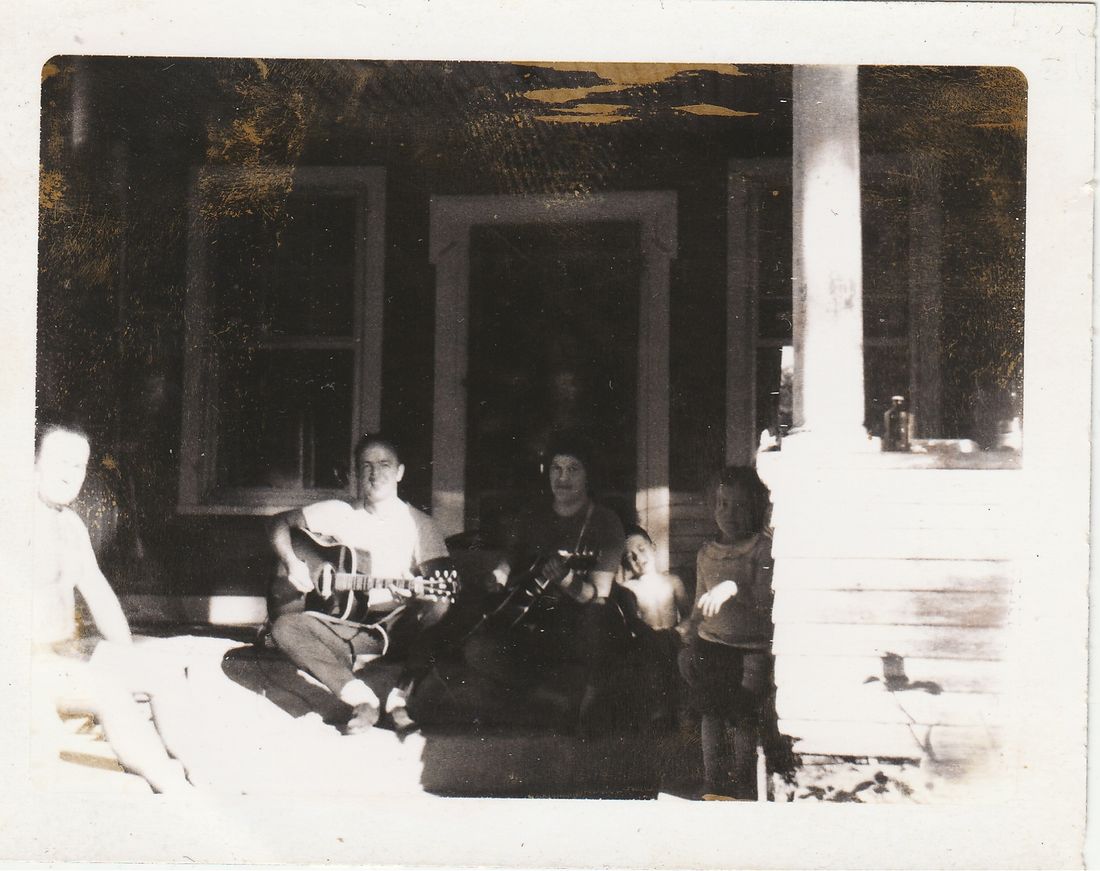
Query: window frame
x=199, y=492
x=747, y=181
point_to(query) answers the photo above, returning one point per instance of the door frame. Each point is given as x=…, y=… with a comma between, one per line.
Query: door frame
x=452, y=221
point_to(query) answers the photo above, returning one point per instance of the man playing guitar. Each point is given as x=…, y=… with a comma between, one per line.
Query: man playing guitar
x=400, y=540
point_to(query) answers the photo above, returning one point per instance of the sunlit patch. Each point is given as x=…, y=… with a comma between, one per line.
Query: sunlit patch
x=627, y=75
x=598, y=109
x=714, y=111
x=574, y=118
x=235, y=610
x=567, y=95
x=590, y=113
x=617, y=78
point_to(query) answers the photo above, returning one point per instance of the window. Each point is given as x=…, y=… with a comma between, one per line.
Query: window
x=283, y=334
x=901, y=292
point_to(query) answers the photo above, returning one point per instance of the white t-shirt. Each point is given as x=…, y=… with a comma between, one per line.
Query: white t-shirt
x=399, y=538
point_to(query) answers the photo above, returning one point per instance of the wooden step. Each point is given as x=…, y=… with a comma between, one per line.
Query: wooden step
x=966, y=744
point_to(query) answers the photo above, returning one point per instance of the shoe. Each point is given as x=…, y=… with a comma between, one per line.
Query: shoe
x=363, y=718
x=396, y=707
x=402, y=720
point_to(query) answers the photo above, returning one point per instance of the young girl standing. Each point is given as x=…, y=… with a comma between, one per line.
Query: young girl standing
x=727, y=663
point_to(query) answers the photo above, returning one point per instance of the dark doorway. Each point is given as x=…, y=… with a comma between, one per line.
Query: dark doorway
x=553, y=344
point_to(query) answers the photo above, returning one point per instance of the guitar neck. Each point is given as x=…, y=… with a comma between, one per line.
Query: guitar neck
x=344, y=582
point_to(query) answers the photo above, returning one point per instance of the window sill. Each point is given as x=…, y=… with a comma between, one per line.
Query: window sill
x=259, y=503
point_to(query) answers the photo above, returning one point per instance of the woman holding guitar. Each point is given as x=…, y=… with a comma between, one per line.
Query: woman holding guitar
x=558, y=571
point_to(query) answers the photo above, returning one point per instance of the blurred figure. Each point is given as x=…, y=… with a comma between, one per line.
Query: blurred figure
x=727, y=663
x=63, y=679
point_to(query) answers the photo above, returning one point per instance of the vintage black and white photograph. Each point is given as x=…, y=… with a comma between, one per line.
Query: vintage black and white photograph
x=415, y=430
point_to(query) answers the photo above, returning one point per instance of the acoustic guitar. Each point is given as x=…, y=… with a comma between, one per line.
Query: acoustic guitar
x=525, y=588
x=339, y=573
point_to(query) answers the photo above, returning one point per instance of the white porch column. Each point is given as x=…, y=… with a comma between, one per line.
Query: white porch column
x=452, y=263
x=828, y=269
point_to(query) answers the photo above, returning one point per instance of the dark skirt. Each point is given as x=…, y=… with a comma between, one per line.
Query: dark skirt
x=725, y=681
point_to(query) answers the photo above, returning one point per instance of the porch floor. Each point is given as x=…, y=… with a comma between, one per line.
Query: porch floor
x=255, y=725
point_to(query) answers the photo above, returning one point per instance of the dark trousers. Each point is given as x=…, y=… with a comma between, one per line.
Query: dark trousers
x=564, y=636
x=658, y=650
x=421, y=635
x=729, y=682
x=326, y=650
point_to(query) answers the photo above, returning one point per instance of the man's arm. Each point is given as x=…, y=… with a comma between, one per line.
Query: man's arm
x=297, y=572
x=94, y=587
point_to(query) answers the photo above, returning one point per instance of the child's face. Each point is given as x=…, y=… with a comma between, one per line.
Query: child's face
x=639, y=555
x=733, y=511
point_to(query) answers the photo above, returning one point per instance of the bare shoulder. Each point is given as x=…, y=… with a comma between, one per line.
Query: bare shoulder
x=73, y=523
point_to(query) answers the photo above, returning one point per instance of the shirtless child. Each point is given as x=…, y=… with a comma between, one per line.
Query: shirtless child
x=661, y=599
x=658, y=608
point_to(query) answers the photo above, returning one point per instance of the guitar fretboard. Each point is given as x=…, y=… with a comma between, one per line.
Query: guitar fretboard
x=347, y=581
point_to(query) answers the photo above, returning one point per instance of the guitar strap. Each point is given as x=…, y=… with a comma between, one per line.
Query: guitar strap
x=584, y=527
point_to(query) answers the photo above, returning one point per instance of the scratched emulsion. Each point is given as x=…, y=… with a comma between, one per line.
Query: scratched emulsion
x=265, y=139
x=521, y=124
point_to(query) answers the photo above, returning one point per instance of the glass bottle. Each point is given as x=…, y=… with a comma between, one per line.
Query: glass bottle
x=896, y=426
